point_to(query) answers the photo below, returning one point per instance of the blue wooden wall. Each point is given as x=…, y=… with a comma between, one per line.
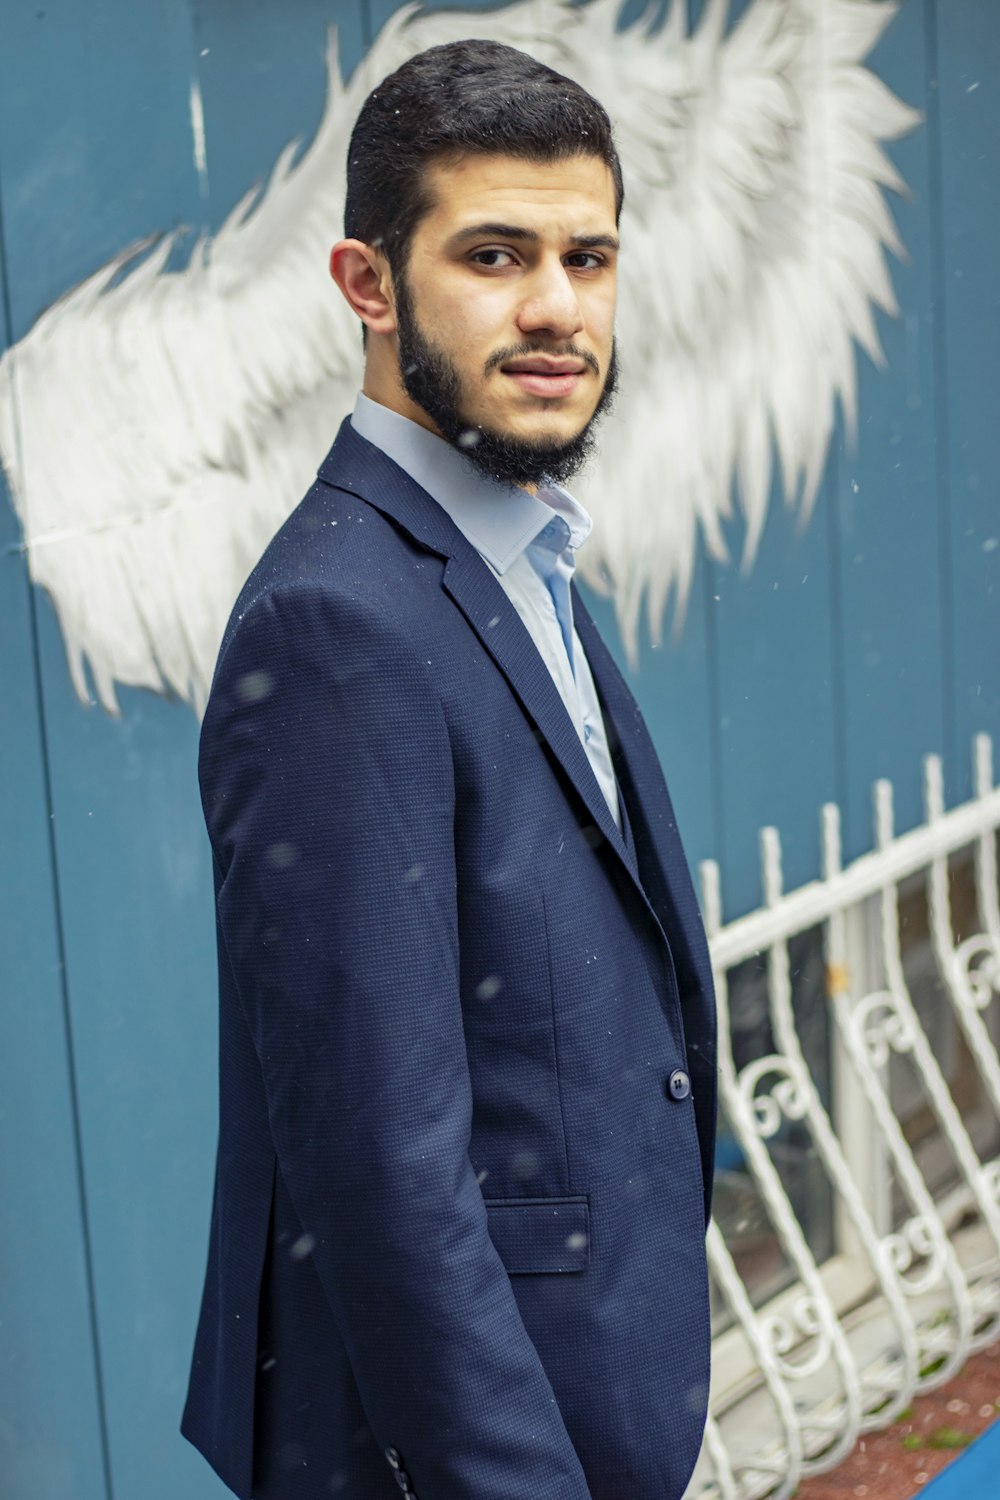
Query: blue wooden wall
x=850, y=649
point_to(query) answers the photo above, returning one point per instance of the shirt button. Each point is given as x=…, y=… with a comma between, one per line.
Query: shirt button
x=678, y=1084
x=587, y=732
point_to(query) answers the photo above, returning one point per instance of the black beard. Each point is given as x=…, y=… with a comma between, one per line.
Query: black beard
x=431, y=380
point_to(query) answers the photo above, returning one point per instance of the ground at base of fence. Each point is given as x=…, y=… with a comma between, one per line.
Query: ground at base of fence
x=900, y=1462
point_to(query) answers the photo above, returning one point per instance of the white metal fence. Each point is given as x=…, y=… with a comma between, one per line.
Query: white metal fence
x=855, y=1251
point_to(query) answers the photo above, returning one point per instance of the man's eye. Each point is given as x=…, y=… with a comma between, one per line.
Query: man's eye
x=584, y=260
x=492, y=258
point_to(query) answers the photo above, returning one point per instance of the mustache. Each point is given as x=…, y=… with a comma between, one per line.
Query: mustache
x=520, y=351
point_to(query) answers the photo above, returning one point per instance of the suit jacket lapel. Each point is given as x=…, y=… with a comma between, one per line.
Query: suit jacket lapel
x=661, y=861
x=503, y=633
x=364, y=470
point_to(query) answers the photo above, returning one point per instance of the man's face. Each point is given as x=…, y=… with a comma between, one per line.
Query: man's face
x=505, y=312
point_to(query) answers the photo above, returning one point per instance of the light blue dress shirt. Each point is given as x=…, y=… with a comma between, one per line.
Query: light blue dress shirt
x=529, y=541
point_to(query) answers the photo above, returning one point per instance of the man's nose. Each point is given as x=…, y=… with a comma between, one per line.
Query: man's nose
x=550, y=304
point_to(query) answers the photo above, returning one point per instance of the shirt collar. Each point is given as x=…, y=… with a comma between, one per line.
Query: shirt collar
x=500, y=520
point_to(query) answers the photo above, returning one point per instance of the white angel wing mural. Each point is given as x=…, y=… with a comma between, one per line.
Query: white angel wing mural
x=195, y=404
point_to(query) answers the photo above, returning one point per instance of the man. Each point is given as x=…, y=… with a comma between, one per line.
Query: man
x=467, y=1027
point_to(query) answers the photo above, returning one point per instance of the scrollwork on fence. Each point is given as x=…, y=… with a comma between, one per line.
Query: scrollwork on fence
x=787, y=1099
x=912, y=1285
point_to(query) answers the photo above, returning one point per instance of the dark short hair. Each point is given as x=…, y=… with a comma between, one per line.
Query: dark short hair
x=452, y=100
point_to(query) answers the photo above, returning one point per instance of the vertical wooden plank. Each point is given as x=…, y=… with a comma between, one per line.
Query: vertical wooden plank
x=891, y=614
x=964, y=115
x=140, y=961
x=769, y=684
x=94, y=116
x=776, y=702
x=50, y=1398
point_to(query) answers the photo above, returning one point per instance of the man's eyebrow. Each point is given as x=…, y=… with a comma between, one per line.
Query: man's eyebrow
x=531, y=236
x=495, y=231
x=597, y=241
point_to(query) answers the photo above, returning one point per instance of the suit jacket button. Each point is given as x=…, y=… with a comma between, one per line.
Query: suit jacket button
x=392, y=1454
x=403, y=1480
x=678, y=1084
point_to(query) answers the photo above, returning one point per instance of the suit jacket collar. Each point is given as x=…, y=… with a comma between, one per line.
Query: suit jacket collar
x=358, y=466
x=361, y=468
x=500, y=520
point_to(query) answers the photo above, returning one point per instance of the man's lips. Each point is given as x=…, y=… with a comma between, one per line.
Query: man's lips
x=545, y=377
x=537, y=364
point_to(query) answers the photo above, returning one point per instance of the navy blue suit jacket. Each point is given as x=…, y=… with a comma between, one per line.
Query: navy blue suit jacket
x=457, y=1245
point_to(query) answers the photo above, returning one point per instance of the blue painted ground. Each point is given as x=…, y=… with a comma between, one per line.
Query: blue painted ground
x=974, y=1476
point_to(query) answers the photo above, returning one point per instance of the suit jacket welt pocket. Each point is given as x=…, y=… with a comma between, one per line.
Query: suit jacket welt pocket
x=540, y=1234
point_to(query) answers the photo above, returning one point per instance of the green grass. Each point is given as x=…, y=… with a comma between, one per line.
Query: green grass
x=948, y=1437
x=941, y=1437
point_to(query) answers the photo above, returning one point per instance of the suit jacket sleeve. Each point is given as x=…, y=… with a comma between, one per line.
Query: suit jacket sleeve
x=328, y=787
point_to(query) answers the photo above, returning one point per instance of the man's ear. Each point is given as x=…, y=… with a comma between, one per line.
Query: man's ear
x=364, y=278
